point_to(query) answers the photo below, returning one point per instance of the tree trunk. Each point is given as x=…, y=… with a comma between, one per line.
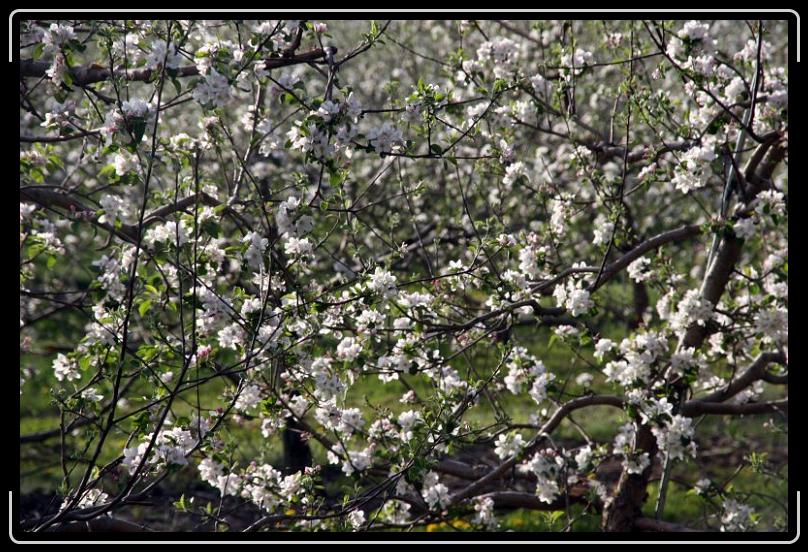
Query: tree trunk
x=640, y=295
x=296, y=451
x=624, y=507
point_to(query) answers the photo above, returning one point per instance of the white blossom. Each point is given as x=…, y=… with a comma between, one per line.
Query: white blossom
x=212, y=90
x=65, y=369
x=508, y=445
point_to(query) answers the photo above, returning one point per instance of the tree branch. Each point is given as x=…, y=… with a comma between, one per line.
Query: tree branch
x=754, y=372
x=92, y=73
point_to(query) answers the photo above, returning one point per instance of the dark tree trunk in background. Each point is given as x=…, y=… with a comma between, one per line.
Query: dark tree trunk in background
x=296, y=451
x=640, y=304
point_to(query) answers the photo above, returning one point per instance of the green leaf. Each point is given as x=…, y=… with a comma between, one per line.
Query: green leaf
x=144, y=307
x=150, y=288
x=181, y=504
x=211, y=227
x=138, y=129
